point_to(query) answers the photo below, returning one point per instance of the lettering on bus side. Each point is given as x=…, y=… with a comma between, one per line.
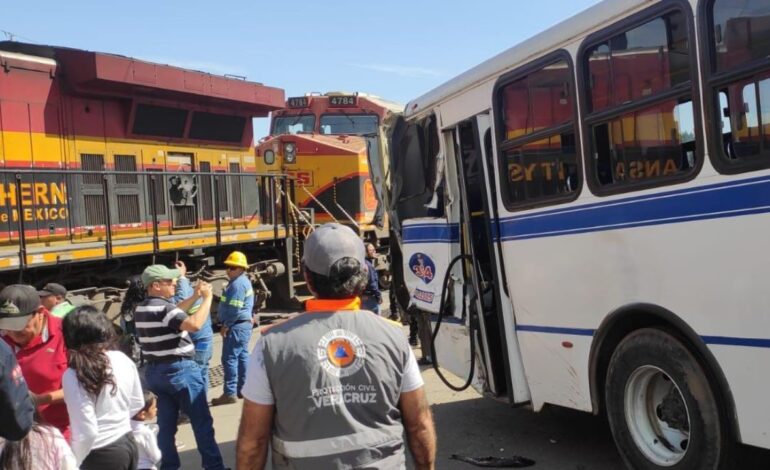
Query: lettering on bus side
x=555, y=171
x=40, y=202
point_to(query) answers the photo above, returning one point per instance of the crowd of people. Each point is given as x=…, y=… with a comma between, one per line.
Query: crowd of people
x=334, y=387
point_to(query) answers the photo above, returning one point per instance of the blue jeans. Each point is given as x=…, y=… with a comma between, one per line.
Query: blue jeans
x=203, y=352
x=371, y=304
x=235, y=356
x=179, y=386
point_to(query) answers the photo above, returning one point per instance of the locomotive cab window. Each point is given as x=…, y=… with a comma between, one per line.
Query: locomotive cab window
x=537, y=145
x=738, y=35
x=349, y=124
x=299, y=124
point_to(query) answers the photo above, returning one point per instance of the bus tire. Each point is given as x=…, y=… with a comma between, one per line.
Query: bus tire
x=662, y=409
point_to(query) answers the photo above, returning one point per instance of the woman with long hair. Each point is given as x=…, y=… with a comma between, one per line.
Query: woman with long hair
x=102, y=392
x=43, y=448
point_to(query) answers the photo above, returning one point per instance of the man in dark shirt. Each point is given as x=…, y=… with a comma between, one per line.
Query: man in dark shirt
x=371, y=297
x=164, y=336
x=16, y=406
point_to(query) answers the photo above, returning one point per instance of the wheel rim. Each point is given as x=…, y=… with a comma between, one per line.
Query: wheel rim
x=657, y=416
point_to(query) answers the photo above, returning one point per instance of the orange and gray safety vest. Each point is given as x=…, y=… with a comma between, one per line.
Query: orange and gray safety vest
x=336, y=378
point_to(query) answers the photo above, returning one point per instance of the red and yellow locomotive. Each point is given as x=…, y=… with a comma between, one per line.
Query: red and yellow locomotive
x=108, y=163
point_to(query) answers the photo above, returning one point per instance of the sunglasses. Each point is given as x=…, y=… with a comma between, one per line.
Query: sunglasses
x=231, y=268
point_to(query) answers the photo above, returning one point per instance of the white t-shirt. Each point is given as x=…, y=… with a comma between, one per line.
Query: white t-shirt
x=49, y=450
x=257, y=387
x=146, y=436
x=98, y=423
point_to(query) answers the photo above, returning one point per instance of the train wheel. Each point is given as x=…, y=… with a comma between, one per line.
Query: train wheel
x=662, y=409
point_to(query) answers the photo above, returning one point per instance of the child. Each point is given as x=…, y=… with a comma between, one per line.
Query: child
x=44, y=448
x=146, y=435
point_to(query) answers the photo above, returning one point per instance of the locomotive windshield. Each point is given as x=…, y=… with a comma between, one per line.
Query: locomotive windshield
x=349, y=124
x=302, y=123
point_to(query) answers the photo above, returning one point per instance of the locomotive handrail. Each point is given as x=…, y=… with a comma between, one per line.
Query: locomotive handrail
x=269, y=182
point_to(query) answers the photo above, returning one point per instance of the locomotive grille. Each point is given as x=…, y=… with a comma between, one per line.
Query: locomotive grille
x=235, y=191
x=94, y=204
x=92, y=162
x=125, y=163
x=207, y=203
x=222, y=192
x=128, y=209
x=184, y=216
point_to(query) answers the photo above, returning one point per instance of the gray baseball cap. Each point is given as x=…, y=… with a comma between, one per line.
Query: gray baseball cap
x=330, y=243
x=17, y=304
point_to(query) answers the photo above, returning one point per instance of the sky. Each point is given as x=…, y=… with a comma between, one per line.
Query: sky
x=397, y=49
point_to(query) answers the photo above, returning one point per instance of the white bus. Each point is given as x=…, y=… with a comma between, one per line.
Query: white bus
x=610, y=180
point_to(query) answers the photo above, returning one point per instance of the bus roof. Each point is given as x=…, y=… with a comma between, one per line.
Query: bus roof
x=587, y=20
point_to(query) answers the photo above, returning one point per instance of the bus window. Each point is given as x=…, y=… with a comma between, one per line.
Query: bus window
x=747, y=135
x=741, y=32
x=653, y=142
x=349, y=124
x=740, y=40
x=302, y=123
x=538, y=148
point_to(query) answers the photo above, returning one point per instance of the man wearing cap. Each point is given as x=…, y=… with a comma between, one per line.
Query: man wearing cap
x=164, y=336
x=337, y=386
x=52, y=296
x=235, y=315
x=36, y=338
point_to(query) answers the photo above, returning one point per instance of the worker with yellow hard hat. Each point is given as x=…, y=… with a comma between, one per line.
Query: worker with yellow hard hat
x=235, y=315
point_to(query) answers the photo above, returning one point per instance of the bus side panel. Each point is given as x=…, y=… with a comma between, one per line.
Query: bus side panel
x=707, y=272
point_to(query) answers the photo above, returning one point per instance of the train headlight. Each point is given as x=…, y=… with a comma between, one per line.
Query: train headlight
x=289, y=152
x=269, y=157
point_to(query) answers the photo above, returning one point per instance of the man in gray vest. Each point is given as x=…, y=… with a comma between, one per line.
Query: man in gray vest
x=337, y=386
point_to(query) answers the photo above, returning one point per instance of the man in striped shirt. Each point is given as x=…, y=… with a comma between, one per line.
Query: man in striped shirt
x=164, y=336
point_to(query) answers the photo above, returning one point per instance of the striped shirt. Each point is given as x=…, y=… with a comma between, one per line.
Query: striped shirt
x=157, y=326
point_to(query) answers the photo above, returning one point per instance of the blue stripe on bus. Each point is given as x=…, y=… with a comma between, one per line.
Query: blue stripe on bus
x=431, y=233
x=718, y=340
x=728, y=341
x=750, y=196
x=556, y=330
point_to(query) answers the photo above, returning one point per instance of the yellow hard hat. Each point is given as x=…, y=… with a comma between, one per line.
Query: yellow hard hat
x=237, y=259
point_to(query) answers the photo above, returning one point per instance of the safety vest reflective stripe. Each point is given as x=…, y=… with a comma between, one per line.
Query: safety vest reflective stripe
x=249, y=293
x=223, y=299
x=237, y=303
x=338, y=444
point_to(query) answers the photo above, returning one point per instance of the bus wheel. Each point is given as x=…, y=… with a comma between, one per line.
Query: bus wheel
x=661, y=407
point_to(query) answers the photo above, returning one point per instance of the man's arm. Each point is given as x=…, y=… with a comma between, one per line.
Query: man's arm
x=195, y=321
x=188, y=303
x=254, y=436
x=418, y=423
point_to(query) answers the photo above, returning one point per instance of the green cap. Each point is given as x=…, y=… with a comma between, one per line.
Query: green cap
x=158, y=272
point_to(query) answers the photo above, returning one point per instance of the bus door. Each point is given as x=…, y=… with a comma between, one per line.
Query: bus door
x=487, y=294
x=425, y=237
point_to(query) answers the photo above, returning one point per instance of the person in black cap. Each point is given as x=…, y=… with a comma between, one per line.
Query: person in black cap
x=52, y=296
